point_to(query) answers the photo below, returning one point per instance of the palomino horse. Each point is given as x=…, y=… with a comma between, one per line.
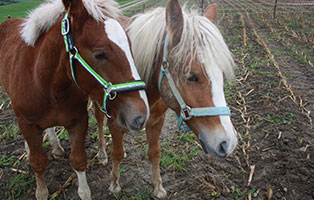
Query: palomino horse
x=51, y=63
x=183, y=59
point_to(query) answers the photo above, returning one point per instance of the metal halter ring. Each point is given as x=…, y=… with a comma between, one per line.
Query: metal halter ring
x=186, y=113
x=165, y=63
x=112, y=97
x=112, y=94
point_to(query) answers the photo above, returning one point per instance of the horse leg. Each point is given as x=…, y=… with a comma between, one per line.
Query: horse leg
x=78, y=157
x=153, y=132
x=117, y=155
x=37, y=156
x=102, y=154
x=57, y=150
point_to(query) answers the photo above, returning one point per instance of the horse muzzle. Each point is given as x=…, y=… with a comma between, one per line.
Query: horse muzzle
x=133, y=122
x=220, y=148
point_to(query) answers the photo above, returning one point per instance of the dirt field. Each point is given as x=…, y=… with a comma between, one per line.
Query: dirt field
x=272, y=104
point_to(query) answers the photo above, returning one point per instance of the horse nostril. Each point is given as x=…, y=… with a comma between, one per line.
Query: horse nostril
x=139, y=122
x=222, y=149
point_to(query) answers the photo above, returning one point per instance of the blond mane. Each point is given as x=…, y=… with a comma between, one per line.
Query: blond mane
x=42, y=18
x=199, y=34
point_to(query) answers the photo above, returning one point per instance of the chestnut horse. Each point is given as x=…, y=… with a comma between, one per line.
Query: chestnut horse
x=51, y=63
x=183, y=60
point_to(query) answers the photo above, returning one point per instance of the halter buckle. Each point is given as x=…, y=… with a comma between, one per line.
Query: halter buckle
x=165, y=65
x=186, y=113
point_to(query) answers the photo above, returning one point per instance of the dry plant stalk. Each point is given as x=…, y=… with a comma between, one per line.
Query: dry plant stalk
x=19, y=171
x=20, y=158
x=252, y=167
x=283, y=78
x=245, y=38
x=65, y=185
x=269, y=193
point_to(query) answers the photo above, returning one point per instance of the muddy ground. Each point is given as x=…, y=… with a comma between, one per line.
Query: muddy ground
x=272, y=109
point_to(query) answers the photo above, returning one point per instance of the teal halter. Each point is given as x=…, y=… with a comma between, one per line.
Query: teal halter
x=186, y=112
x=110, y=90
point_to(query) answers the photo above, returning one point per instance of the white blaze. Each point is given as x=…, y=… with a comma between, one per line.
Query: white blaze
x=117, y=35
x=216, y=77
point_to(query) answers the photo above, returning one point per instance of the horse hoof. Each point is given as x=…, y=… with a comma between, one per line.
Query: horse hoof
x=103, y=161
x=58, y=154
x=102, y=158
x=42, y=194
x=85, y=195
x=160, y=193
x=114, y=188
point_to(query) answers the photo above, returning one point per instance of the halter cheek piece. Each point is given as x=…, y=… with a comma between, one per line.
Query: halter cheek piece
x=186, y=112
x=110, y=90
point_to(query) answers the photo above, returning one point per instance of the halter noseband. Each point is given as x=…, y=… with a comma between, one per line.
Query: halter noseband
x=186, y=112
x=110, y=90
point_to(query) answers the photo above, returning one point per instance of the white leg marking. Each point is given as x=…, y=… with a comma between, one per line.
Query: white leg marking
x=159, y=190
x=83, y=189
x=41, y=189
x=115, y=177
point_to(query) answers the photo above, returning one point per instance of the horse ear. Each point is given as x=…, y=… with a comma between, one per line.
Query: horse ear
x=211, y=12
x=174, y=20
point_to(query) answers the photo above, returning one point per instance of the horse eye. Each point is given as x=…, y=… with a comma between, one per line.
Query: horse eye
x=193, y=78
x=101, y=56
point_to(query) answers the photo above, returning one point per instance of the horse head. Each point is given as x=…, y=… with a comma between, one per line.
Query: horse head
x=104, y=45
x=198, y=59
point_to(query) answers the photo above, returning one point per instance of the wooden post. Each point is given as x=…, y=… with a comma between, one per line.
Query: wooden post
x=275, y=7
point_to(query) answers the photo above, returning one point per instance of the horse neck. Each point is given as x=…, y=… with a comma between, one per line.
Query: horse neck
x=54, y=68
x=51, y=43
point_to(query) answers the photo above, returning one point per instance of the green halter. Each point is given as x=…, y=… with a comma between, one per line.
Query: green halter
x=110, y=90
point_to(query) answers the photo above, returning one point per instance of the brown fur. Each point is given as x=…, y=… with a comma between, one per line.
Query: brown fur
x=39, y=83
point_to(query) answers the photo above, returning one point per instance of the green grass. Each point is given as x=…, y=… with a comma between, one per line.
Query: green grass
x=6, y=99
x=17, y=10
x=17, y=185
x=194, y=151
x=171, y=158
x=121, y=2
x=174, y=156
x=7, y=161
x=64, y=134
x=187, y=137
x=264, y=73
x=278, y=120
x=9, y=132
